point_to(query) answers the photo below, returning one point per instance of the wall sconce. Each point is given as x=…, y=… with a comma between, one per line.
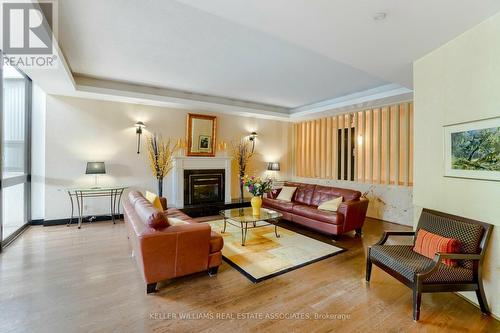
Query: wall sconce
x=221, y=146
x=138, y=130
x=252, y=138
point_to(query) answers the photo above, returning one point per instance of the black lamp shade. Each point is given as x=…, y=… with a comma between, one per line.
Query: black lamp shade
x=273, y=166
x=95, y=168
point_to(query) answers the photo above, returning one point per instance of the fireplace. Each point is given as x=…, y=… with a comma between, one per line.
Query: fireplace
x=204, y=186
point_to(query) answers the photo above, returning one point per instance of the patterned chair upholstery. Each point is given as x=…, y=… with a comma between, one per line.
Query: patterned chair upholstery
x=431, y=275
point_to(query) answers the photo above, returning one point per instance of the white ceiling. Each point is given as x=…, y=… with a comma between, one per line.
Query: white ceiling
x=172, y=45
x=345, y=30
x=275, y=57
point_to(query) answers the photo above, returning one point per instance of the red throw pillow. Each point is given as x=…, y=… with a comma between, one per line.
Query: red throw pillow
x=157, y=221
x=427, y=244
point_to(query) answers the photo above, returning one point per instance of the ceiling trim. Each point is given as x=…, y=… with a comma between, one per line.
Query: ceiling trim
x=174, y=98
x=362, y=97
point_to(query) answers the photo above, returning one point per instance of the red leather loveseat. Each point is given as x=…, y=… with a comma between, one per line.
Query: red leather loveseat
x=169, y=251
x=303, y=209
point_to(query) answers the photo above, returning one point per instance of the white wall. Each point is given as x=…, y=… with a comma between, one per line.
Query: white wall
x=387, y=202
x=459, y=82
x=81, y=130
x=38, y=153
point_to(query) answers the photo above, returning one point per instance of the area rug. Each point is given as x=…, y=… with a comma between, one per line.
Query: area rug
x=265, y=256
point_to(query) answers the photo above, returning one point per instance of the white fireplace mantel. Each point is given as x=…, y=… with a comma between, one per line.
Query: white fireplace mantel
x=175, y=185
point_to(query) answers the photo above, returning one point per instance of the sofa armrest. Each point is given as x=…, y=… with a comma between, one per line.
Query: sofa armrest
x=354, y=212
x=164, y=204
x=176, y=251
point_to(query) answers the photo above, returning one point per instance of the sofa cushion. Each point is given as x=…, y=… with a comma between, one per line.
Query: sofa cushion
x=325, y=193
x=176, y=213
x=331, y=205
x=405, y=261
x=150, y=215
x=319, y=215
x=216, y=242
x=286, y=193
x=155, y=200
x=278, y=204
x=304, y=193
x=176, y=221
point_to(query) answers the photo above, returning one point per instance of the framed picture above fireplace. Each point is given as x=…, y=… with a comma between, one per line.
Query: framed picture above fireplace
x=201, y=132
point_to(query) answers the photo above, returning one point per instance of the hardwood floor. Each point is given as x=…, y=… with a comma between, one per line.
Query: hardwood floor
x=59, y=279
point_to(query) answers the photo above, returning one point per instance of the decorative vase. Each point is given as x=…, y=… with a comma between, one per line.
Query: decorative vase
x=256, y=203
x=160, y=187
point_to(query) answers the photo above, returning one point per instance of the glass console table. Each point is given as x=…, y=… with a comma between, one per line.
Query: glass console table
x=78, y=194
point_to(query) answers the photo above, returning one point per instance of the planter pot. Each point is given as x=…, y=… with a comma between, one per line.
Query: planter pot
x=256, y=203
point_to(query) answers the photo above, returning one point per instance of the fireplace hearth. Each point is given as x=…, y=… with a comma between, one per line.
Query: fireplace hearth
x=202, y=187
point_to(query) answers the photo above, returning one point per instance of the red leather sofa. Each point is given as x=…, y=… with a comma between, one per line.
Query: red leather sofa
x=303, y=209
x=172, y=251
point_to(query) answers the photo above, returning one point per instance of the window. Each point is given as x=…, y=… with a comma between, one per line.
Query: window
x=15, y=147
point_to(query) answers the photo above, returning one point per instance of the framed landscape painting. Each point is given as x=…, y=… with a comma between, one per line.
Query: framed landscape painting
x=472, y=150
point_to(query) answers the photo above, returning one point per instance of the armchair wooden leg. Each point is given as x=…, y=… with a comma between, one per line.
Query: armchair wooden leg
x=481, y=297
x=212, y=271
x=417, y=299
x=368, y=267
x=151, y=288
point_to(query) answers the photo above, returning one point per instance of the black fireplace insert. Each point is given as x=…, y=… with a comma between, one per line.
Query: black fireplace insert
x=204, y=187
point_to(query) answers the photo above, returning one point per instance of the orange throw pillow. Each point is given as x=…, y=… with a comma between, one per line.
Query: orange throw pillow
x=427, y=244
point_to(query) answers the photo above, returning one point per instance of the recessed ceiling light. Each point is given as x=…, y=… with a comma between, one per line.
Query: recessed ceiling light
x=379, y=16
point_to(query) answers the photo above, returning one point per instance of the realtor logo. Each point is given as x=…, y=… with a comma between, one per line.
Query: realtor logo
x=27, y=29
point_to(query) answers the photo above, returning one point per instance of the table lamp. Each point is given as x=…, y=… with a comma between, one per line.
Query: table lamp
x=95, y=168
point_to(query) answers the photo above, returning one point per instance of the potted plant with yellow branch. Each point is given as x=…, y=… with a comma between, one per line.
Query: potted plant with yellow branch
x=160, y=154
x=241, y=153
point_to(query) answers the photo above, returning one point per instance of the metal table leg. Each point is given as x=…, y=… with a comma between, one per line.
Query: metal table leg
x=79, y=200
x=225, y=222
x=72, y=208
x=113, y=199
x=119, y=202
x=244, y=230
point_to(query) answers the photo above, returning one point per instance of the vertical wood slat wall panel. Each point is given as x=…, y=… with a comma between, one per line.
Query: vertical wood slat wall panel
x=349, y=150
x=370, y=148
x=341, y=120
x=406, y=133
x=397, y=138
x=388, y=146
x=382, y=141
x=302, y=141
x=328, y=147
x=379, y=144
x=362, y=154
x=307, y=150
x=316, y=162
x=334, y=148
x=355, y=166
x=410, y=136
x=323, y=148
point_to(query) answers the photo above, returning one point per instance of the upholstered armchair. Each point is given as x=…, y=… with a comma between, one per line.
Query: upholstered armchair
x=424, y=275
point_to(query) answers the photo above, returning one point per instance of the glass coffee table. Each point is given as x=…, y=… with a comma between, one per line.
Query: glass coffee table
x=244, y=219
